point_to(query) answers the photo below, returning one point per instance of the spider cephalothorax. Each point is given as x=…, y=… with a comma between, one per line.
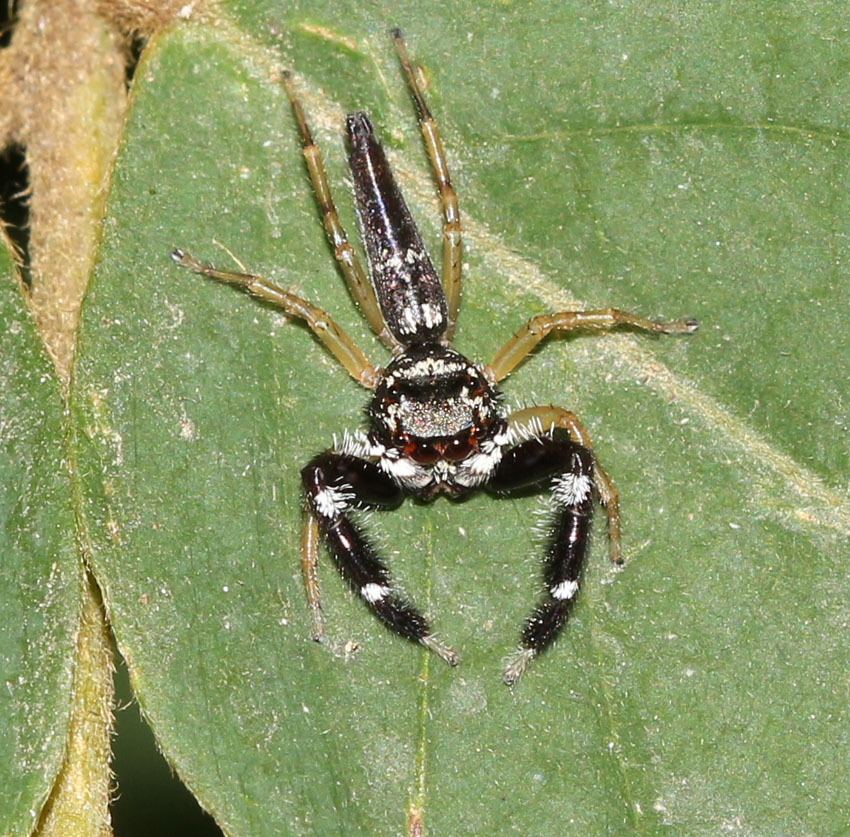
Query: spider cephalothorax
x=436, y=420
x=435, y=424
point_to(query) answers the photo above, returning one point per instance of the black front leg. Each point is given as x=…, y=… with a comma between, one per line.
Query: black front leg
x=567, y=469
x=334, y=483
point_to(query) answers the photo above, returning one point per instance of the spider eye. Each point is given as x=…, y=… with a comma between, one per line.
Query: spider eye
x=458, y=449
x=423, y=453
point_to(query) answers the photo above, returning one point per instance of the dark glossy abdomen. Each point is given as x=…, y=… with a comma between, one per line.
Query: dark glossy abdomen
x=406, y=284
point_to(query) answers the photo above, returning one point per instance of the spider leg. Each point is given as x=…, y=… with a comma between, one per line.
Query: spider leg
x=310, y=573
x=452, y=236
x=346, y=256
x=568, y=468
x=546, y=418
x=338, y=343
x=334, y=483
x=519, y=346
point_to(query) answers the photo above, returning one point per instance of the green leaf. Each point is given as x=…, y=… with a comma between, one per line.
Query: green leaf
x=674, y=160
x=39, y=570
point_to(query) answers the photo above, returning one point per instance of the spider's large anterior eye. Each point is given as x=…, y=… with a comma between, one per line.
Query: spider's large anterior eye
x=458, y=449
x=424, y=453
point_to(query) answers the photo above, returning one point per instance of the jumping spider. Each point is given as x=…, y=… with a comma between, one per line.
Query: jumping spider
x=435, y=421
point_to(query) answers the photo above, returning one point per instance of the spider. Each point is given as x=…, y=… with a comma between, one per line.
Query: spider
x=435, y=421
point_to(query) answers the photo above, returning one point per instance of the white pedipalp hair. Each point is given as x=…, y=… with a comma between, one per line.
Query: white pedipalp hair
x=357, y=443
x=532, y=429
x=404, y=471
x=331, y=501
x=570, y=489
x=476, y=469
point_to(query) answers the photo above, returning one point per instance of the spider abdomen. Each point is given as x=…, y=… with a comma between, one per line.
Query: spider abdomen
x=408, y=289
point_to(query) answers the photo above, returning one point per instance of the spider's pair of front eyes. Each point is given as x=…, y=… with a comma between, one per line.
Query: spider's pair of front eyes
x=432, y=450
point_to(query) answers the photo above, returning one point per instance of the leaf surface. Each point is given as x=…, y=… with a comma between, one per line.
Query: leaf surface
x=657, y=158
x=39, y=570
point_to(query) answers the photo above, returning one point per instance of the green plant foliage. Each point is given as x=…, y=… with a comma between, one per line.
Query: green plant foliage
x=39, y=571
x=673, y=159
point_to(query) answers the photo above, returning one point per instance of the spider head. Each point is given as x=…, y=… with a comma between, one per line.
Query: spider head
x=433, y=408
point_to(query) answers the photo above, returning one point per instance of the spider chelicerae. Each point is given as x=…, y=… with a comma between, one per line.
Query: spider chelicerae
x=436, y=425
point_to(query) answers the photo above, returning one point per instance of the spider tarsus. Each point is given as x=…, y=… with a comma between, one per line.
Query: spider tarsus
x=424, y=114
x=304, y=129
x=688, y=326
x=288, y=83
x=187, y=260
x=516, y=665
x=446, y=654
x=318, y=632
x=614, y=553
